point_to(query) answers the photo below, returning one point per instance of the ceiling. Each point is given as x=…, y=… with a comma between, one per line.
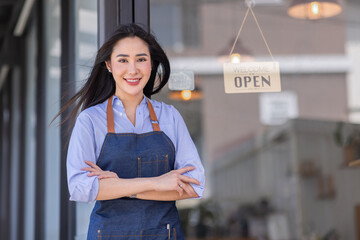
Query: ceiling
x=9, y=14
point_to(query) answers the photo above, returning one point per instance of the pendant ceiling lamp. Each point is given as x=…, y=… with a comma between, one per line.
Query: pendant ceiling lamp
x=314, y=9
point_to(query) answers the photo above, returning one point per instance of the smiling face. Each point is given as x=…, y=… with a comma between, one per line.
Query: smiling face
x=130, y=65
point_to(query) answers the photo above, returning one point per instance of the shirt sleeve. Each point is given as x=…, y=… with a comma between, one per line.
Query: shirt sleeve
x=81, y=147
x=186, y=154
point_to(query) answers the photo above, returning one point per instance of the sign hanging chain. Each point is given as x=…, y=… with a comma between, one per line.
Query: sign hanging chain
x=258, y=25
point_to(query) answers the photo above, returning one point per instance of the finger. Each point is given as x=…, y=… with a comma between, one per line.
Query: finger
x=189, y=179
x=185, y=169
x=102, y=175
x=183, y=186
x=180, y=191
x=94, y=174
x=113, y=174
x=89, y=169
x=187, y=189
x=93, y=165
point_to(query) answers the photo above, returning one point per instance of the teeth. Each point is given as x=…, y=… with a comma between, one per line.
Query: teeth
x=132, y=80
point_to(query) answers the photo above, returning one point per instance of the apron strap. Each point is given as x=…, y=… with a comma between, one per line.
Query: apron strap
x=154, y=120
x=110, y=116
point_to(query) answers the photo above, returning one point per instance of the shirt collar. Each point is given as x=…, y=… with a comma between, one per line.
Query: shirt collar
x=142, y=103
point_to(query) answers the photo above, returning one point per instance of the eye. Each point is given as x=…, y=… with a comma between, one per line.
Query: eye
x=142, y=60
x=122, y=60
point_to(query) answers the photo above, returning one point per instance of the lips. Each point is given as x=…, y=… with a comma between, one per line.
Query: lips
x=132, y=81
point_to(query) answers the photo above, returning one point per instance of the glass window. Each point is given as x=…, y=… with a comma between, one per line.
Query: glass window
x=30, y=132
x=86, y=49
x=52, y=151
x=273, y=163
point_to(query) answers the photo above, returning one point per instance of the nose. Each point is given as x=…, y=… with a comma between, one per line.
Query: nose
x=132, y=68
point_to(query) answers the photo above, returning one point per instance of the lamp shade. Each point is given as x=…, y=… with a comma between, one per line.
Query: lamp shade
x=314, y=9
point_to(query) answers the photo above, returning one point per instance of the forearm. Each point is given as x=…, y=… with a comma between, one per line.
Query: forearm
x=166, y=195
x=112, y=188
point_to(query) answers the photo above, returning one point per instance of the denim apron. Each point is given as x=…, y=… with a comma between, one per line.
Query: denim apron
x=132, y=155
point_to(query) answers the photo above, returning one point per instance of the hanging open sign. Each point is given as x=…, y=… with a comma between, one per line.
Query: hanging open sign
x=249, y=77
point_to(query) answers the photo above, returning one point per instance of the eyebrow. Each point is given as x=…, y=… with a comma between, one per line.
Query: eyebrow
x=137, y=55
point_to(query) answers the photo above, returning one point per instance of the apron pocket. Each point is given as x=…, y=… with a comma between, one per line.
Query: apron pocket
x=153, y=165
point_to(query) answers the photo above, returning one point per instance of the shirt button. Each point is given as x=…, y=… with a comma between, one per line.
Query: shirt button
x=121, y=114
x=118, y=103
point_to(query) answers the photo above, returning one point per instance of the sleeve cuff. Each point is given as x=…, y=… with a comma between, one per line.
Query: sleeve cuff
x=82, y=193
x=198, y=189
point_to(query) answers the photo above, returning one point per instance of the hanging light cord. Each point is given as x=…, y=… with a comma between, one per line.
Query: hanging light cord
x=258, y=25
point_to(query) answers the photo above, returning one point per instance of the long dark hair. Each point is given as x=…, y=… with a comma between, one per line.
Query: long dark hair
x=101, y=85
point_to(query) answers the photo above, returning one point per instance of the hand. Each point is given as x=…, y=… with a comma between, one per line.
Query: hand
x=174, y=180
x=95, y=170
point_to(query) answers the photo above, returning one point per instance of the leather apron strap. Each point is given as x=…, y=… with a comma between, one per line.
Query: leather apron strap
x=110, y=116
x=154, y=120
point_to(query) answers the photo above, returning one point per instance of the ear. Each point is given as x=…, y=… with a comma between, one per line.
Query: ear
x=108, y=65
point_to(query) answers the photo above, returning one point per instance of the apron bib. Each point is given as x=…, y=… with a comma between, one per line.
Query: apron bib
x=132, y=155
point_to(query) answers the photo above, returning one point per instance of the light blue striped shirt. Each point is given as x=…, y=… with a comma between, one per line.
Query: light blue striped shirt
x=89, y=133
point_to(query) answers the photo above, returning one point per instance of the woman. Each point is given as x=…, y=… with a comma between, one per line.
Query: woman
x=131, y=154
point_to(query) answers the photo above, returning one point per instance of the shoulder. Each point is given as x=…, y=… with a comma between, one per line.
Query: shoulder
x=94, y=113
x=165, y=112
x=160, y=105
x=163, y=107
x=94, y=110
